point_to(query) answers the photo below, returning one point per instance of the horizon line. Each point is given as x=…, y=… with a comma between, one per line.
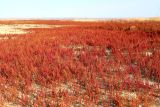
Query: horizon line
x=72, y=18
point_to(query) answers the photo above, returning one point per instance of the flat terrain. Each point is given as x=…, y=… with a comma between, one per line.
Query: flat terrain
x=80, y=63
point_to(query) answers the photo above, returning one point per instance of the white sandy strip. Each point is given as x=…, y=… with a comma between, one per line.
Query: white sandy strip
x=20, y=28
x=28, y=26
x=5, y=30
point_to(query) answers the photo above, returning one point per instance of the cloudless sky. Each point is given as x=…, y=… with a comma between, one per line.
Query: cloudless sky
x=79, y=8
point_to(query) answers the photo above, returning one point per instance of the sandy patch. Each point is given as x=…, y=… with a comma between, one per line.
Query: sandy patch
x=21, y=28
x=8, y=30
x=29, y=26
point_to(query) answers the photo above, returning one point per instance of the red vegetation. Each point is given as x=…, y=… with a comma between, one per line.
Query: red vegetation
x=101, y=64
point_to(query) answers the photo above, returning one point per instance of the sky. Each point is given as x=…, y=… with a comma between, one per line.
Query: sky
x=79, y=8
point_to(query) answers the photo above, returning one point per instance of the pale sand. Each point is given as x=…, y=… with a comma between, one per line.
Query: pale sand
x=21, y=28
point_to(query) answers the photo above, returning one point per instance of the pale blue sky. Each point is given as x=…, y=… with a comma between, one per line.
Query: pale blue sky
x=79, y=8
